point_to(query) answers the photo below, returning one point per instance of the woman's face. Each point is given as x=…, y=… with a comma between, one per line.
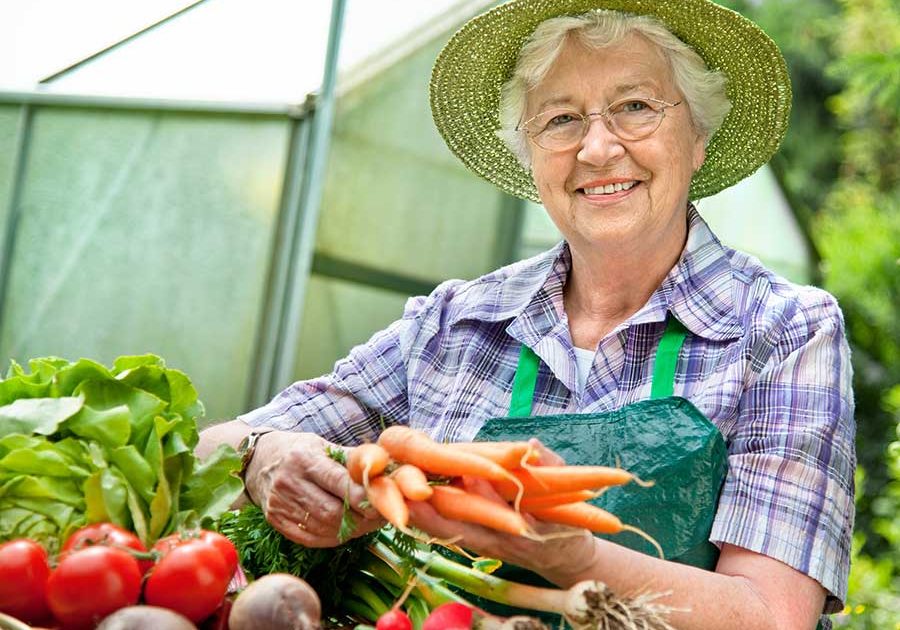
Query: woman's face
x=659, y=167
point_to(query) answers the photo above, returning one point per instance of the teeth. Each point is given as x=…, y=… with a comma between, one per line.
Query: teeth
x=609, y=188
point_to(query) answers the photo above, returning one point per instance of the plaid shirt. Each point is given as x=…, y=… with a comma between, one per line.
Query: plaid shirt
x=766, y=361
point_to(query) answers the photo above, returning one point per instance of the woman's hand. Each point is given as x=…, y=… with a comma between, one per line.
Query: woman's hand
x=546, y=457
x=301, y=489
x=559, y=559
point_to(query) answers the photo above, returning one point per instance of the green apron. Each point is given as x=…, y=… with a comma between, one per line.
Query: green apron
x=665, y=440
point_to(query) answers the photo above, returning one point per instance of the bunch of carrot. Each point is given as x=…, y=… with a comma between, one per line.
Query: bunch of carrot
x=407, y=465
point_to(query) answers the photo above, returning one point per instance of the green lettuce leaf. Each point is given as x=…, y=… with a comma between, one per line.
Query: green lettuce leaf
x=81, y=443
x=37, y=415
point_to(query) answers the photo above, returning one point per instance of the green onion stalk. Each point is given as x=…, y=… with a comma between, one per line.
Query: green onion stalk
x=588, y=605
x=369, y=575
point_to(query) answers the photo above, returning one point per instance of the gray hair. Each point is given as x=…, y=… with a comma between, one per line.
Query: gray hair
x=703, y=89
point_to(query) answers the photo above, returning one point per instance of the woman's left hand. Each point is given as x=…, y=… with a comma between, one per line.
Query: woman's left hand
x=558, y=559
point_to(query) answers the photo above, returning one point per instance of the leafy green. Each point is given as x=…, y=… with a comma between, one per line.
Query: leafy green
x=80, y=443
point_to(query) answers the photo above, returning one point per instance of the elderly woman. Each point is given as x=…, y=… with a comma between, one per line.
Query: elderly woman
x=614, y=114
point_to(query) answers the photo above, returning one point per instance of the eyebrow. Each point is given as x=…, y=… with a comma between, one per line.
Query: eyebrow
x=619, y=90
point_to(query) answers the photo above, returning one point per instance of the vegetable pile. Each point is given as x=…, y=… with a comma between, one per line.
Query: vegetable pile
x=82, y=443
x=101, y=496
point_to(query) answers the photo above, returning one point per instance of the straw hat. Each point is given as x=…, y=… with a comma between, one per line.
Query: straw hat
x=471, y=69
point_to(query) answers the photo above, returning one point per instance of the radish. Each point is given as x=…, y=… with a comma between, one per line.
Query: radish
x=394, y=619
x=449, y=616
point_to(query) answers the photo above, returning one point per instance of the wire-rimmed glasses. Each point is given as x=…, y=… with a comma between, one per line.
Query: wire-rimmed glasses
x=563, y=128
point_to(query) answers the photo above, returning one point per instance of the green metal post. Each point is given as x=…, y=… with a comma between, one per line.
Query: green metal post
x=310, y=206
x=273, y=305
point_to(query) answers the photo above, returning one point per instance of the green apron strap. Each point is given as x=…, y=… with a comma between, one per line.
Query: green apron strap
x=524, y=382
x=663, y=384
x=663, y=370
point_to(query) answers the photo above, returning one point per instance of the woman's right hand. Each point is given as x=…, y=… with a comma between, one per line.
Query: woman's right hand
x=301, y=489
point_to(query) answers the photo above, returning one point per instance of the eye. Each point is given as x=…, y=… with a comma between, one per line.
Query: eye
x=561, y=119
x=633, y=106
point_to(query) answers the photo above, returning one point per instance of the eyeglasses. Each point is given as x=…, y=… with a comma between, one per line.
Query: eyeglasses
x=561, y=129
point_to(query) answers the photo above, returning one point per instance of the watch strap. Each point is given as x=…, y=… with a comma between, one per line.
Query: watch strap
x=247, y=448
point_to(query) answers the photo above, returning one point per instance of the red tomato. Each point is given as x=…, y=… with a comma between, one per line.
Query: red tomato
x=191, y=578
x=226, y=547
x=167, y=544
x=109, y=535
x=90, y=583
x=23, y=580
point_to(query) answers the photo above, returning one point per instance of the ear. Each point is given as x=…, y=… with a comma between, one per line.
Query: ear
x=699, y=153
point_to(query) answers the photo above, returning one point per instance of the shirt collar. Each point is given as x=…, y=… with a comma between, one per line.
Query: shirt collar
x=698, y=291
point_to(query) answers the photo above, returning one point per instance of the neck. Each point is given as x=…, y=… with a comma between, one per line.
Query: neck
x=607, y=285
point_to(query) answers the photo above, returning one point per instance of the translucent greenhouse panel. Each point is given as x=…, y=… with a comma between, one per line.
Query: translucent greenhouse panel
x=338, y=316
x=145, y=232
x=755, y=217
x=37, y=37
x=538, y=232
x=9, y=129
x=395, y=198
x=265, y=50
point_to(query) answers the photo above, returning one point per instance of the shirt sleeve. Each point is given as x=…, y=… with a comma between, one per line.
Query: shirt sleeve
x=789, y=492
x=366, y=391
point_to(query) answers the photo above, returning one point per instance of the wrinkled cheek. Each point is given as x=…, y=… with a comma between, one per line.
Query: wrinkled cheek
x=544, y=188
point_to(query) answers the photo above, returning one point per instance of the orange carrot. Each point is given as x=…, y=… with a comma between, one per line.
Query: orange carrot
x=552, y=500
x=459, y=505
x=592, y=518
x=582, y=515
x=507, y=454
x=366, y=461
x=412, y=483
x=385, y=496
x=543, y=480
x=415, y=447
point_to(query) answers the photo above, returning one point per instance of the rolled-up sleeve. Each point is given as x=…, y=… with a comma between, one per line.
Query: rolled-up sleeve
x=366, y=391
x=789, y=492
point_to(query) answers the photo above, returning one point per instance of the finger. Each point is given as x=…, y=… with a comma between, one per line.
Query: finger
x=482, y=487
x=334, y=479
x=366, y=526
x=325, y=514
x=546, y=457
x=313, y=534
x=303, y=501
x=480, y=539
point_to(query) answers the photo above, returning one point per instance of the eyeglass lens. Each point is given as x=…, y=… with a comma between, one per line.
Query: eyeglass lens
x=630, y=119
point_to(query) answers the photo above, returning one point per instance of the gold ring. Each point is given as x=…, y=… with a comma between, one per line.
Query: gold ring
x=305, y=521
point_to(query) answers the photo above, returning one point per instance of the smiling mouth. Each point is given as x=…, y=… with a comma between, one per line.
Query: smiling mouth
x=609, y=188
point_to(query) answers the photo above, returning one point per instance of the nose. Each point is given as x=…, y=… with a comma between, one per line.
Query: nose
x=599, y=145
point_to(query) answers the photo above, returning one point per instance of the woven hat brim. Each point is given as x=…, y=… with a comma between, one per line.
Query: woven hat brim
x=473, y=66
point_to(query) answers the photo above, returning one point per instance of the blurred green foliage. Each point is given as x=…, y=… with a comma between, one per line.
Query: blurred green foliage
x=840, y=167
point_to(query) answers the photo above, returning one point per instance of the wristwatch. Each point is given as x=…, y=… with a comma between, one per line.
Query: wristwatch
x=247, y=448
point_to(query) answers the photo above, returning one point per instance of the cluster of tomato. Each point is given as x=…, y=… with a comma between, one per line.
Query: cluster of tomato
x=102, y=568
